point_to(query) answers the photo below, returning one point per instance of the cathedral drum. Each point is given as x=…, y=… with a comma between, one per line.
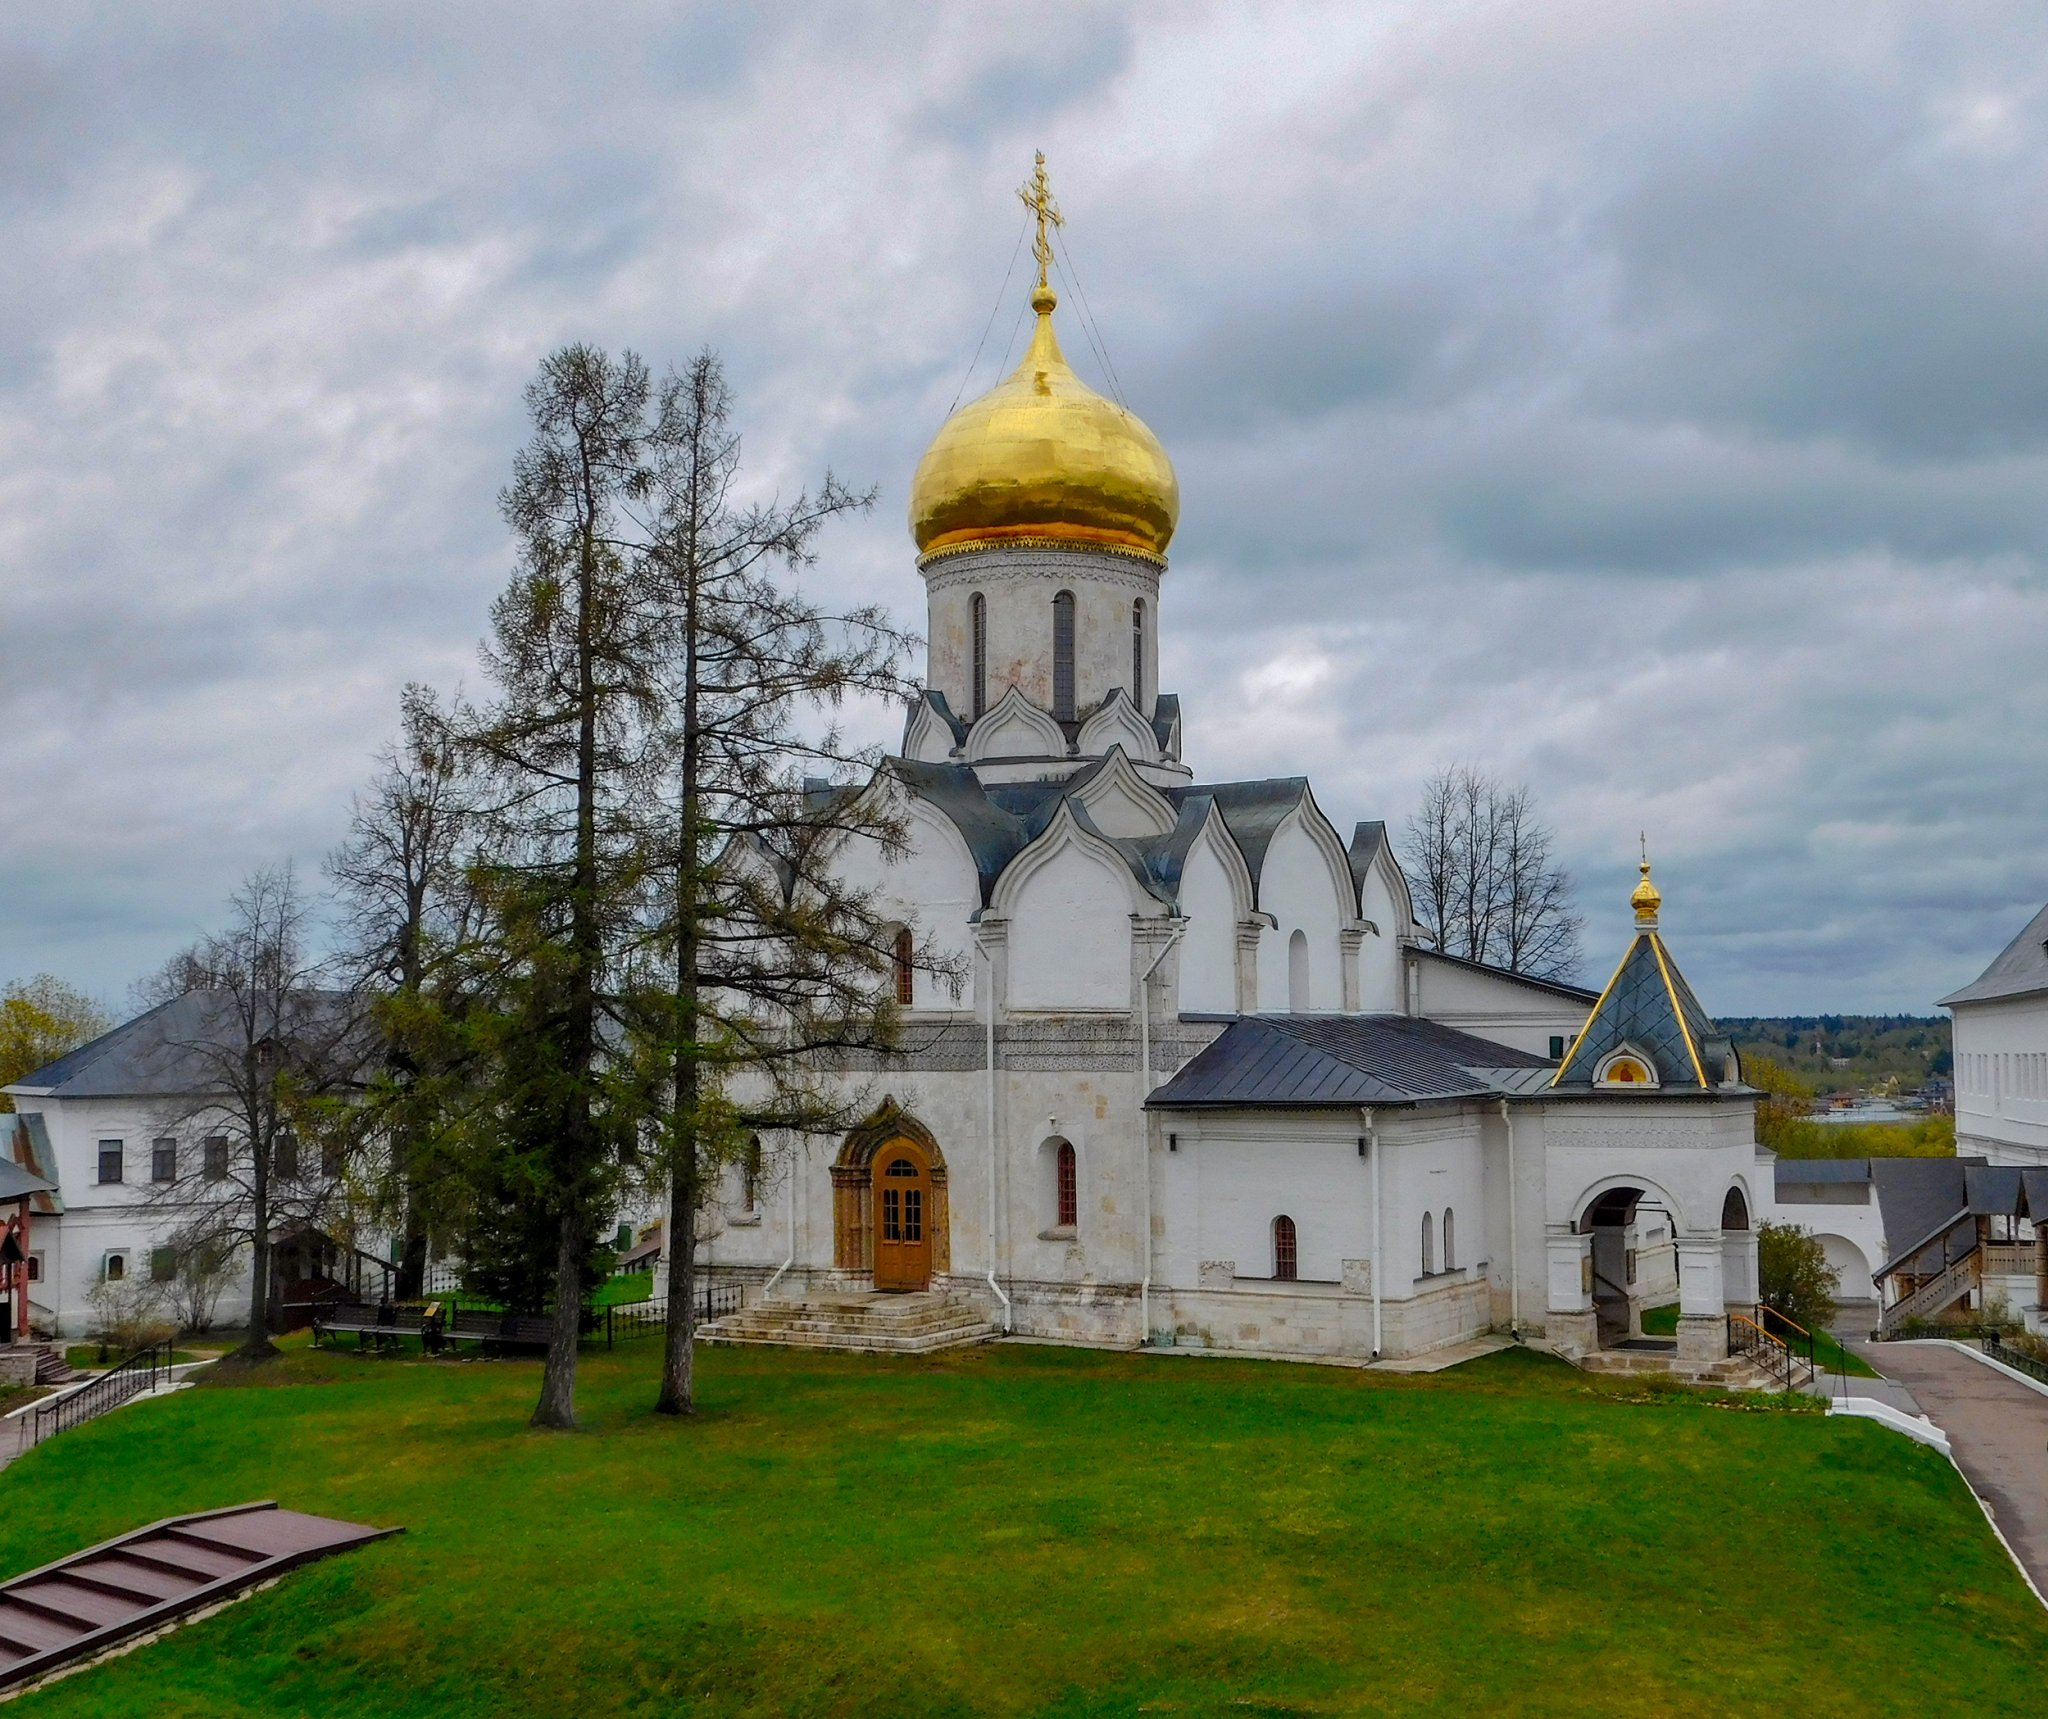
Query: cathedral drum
x=903, y=1217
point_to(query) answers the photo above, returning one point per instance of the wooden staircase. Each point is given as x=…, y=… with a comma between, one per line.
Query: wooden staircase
x=1933, y=1296
x=863, y=1324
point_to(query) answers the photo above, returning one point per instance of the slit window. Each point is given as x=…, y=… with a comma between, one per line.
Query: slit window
x=1063, y=656
x=1450, y=1248
x=1286, y=1258
x=1138, y=653
x=1069, y=1190
x=750, y=1174
x=904, y=961
x=1428, y=1245
x=978, y=609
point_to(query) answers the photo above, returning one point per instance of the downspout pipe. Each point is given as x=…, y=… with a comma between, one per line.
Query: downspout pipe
x=1507, y=1116
x=1145, y=1126
x=789, y=1259
x=1372, y=1152
x=988, y=969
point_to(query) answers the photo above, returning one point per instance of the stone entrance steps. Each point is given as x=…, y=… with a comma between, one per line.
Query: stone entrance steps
x=865, y=1324
x=1736, y=1373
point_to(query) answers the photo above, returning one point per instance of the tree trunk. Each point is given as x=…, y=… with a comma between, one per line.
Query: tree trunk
x=257, y=1346
x=557, y=1406
x=412, y=1258
x=679, y=1350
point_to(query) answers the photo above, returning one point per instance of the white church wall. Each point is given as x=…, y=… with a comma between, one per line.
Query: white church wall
x=1297, y=888
x=1379, y=956
x=2001, y=1076
x=1494, y=1006
x=1070, y=934
x=932, y=887
x=1208, y=949
x=1251, y=1170
x=1018, y=586
x=1433, y=1164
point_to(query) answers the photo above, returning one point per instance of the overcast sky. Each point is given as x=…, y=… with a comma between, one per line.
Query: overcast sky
x=1647, y=401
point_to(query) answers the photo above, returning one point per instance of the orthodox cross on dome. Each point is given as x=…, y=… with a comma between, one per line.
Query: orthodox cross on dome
x=1647, y=898
x=1037, y=197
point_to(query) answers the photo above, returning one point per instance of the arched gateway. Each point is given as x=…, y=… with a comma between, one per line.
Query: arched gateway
x=889, y=1214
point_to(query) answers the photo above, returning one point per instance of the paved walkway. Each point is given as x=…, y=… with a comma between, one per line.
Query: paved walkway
x=1997, y=1427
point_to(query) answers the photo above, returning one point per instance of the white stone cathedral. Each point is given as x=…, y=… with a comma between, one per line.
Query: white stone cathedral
x=1203, y=1082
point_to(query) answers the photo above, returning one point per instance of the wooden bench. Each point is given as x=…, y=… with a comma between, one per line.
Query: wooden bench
x=495, y=1331
x=379, y=1326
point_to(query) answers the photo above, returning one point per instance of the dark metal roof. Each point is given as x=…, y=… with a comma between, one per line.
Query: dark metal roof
x=2021, y=967
x=1993, y=1190
x=1821, y=1171
x=1921, y=1201
x=1648, y=1005
x=1252, y=811
x=171, y=1049
x=1337, y=1061
x=15, y=1182
x=2034, y=1185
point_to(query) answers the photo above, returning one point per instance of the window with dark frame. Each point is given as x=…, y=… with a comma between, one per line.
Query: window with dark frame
x=35, y=1268
x=163, y=1161
x=1286, y=1260
x=1138, y=653
x=1067, y=1176
x=216, y=1157
x=1063, y=657
x=978, y=608
x=1557, y=1047
x=116, y=1269
x=904, y=961
x=330, y=1162
x=110, y=1161
x=284, y=1157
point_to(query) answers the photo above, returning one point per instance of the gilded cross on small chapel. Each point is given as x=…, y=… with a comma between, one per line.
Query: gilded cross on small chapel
x=1037, y=196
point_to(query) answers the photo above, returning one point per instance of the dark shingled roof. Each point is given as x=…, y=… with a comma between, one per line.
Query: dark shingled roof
x=1649, y=1006
x=1337, y=1061
x=2022, y=966
x=158, y=1054
x=1922, y=1201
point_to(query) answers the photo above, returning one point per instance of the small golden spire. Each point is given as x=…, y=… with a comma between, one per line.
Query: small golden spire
x=1037, y=197
x=1646, y=898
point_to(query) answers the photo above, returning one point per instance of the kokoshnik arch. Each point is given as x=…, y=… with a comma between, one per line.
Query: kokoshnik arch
x=1204, y=1081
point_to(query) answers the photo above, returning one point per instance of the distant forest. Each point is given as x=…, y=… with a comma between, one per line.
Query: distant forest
x=1842, y=1053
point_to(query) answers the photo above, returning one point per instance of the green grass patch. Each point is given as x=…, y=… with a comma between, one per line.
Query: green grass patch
x=89, y=1355
x=1031, y=1530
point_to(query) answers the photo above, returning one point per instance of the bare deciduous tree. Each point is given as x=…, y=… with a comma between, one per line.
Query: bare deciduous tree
x=1482, y=870
x=261, y=1055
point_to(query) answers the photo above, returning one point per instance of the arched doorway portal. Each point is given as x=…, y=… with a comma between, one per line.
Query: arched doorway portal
x=889, y=1203
x=1610, y=1220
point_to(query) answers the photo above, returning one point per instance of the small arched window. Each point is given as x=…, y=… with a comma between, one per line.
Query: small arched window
x=1138, y=653
x=750, y=1175
x=903, y=960
x=1428, y=1245
x=1286, y=1261
x=1297, y=972
x=978, y=605
x=1066, y=1175
x=1450, y=1245
x=1063, y=656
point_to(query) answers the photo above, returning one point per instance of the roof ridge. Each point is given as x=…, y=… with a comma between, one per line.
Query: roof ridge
x=93, y=1049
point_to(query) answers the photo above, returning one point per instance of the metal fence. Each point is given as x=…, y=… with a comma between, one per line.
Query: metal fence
x=140, y=1372
x=2014, y=1359
x=713, y=1301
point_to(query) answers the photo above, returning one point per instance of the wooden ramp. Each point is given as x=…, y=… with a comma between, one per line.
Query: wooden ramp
x=93, y=1600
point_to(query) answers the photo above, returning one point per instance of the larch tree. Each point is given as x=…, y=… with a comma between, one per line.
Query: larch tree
x=561, y=752
x=411, y=928
x=1482, y=869
x=764, y=962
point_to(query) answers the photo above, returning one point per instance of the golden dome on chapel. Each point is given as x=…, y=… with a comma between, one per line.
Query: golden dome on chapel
x=1041, y=456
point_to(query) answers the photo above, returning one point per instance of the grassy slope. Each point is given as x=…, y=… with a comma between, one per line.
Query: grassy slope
x=1034, y=1530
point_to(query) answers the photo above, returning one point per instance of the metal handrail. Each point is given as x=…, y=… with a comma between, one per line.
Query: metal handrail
x=128, y=1378
x=1746, y=1336
x=1765, y=1308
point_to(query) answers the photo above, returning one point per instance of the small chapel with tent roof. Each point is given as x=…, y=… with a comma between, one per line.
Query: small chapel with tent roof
x=1192, y=1074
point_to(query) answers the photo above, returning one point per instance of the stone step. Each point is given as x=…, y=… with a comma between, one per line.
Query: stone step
x=882, y=1325
x=857, y=1344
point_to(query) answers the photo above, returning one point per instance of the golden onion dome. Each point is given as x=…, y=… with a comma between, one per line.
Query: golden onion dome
x=1043, y=456
x=1646, y=898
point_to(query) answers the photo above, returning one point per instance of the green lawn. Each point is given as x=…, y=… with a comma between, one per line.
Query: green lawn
x=1029, y=1530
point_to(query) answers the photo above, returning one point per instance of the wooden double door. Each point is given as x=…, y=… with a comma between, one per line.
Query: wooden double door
x=904, y=1216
